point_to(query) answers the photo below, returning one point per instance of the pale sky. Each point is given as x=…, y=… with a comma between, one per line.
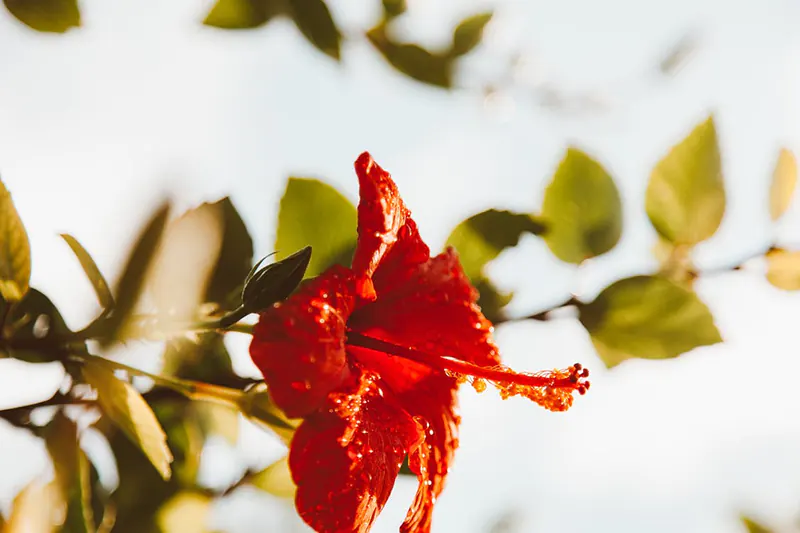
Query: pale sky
x=96, y=124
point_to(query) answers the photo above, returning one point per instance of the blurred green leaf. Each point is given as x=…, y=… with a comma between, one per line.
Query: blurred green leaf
x=133, y=275
x=54, y=16
x=187, y=255
x=314, y=20
x=647, y=317
x=468, y=33
x=685, y=198
x=72, y=477
x=276, y=479
x=92, y=272
x=123, y=404
x=413, y=60
x=242, y=14
x=393, y=8
x=582, y=209
x=218, y=420
x=784, y=181
x=186, y=512
x=315, y=214
x=783, y=269
x=235, y=259
x=15, y=250
x=753, y=526
x=480, y=239
x=259, y=408
x=36, y=318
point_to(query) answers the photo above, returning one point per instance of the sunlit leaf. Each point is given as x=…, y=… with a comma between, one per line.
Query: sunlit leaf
x=32, y=510
x=72, y=477
x=276, y=479
x=55, y=16
x=582, y=209
x=130, y=412
x=784, y=181
x=647, y=317
x=413, y=60
x=468, y=33
x=753, y=526
x=218, y=420
x=783, y=269
x=133, y=275
x=242, y=14
x=187, y=255
x=15, y=251
x=92, y=272
x=314, y=20
x=685, y=197
x=235, y=259
x=186, y=512
x=315, y=214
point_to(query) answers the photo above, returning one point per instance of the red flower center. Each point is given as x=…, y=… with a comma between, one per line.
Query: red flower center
x=551, y=389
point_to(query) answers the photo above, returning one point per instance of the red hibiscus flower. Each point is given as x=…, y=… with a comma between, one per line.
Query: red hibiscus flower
x=371, y=358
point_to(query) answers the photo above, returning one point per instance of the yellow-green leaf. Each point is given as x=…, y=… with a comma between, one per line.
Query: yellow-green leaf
x=124, y=406
x=582, y=209
x=468, y=33
x=54, y=16
x=753, y=526
x=132, y=280
x=314, y=20
x=412, y=60
x=276, y=479
x=783, y=269
x=242, y=14
x=72, y=478
x=685, y=197
x=32, y=510
x=219, y=420
x=186, y=512
x=313, y=213
x=92, y=272
x=647, y=317
x=15, y=251
x=784, y=181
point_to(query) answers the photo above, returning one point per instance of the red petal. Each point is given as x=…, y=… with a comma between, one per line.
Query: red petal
x=434, y=401
x=434, y=312
x=345, y=457
x=299, y=345
x=389, y=246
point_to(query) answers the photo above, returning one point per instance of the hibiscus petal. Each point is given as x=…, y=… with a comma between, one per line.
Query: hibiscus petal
x=434, y=312
x=299, y=344
x=345, y=458
x=434, y=401
x=389, y=245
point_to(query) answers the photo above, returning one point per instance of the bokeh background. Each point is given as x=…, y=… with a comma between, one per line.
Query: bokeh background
x=142, y=100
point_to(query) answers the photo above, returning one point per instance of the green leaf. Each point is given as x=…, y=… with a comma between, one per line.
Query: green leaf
x=468, y=33
x=92, y=272
x=784, y=181
x=36, y=318
x=647, y=317
x=15, y=251
x=54, y=16
x=783, y=269
x=124, y=406
x=413, y=60
x=235, y=259
x=219, y=420
x=186, y=512
x=259, y=408
x=72, y=473
x=582, y=209
x=753, y=526
x=133, y=275
x=276, y=479
x=685, y=198
x=480, y=239
x=315, y=214
x=242, y=14
x=314, y=20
